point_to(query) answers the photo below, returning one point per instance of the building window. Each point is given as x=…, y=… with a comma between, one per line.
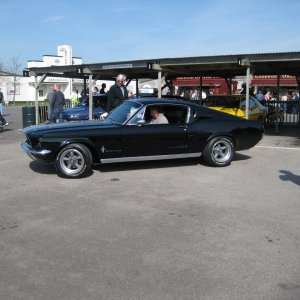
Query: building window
x=41, y=93
x=13, y=88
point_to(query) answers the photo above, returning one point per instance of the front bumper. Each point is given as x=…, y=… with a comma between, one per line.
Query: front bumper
x=32, y=153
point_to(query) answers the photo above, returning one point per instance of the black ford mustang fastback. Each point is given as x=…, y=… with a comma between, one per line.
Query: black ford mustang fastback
x=126, y=134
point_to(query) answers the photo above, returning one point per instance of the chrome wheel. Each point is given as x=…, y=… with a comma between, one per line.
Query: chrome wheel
x=221, y=151
x=71, y=161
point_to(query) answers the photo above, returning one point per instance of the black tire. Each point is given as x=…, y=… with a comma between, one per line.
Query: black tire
x=219, y=152
x=73, y=161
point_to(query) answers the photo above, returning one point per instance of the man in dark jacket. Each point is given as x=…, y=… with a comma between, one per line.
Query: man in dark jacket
x=57, y=103
x=117, y=93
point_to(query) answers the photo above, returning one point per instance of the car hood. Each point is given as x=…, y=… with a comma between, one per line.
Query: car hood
x=75, y=109
x=52, y=127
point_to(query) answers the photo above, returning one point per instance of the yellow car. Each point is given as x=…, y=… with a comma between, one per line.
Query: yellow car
x=236, y=105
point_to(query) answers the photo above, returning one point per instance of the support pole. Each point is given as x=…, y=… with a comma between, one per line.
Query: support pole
x=84, y=86
x=277, y=103
x=200, y=90
x=159, y=84
x=90, y=97
x=36, y=101
x=137, y=87
x=247, y=92
x=298, y=82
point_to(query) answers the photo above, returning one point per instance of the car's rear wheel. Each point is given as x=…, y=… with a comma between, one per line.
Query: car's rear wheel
x=73, y=161
x=219, y=152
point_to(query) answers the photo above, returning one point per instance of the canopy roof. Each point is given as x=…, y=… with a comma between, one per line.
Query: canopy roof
x=227, y=66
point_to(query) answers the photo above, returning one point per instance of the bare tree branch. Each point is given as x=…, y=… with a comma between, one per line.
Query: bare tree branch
x=14, y=67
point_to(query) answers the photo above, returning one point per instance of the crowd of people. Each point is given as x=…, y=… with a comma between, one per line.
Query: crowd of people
x=118, y=93
x=194, y=95
x=289, y=100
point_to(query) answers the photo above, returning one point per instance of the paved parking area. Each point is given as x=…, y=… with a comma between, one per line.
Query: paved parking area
x=152, y=230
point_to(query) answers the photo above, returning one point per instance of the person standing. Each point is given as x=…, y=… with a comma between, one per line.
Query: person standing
x=103, y=87
x=259, y=96
x=2, y=120
x=57, y=103
x=74, y=98
x=1, y=101
x=85, y=92
x=117, y=93
x=267, y=95
x=95, y=91
x=50, y=99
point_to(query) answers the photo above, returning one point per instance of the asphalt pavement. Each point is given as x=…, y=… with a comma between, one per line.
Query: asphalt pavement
x=152, y=230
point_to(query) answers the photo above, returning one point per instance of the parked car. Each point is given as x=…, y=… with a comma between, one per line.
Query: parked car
x=236, y=105
x=127, y=135
x=81, y=111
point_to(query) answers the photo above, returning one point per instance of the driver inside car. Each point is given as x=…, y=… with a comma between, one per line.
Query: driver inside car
x=157, y=117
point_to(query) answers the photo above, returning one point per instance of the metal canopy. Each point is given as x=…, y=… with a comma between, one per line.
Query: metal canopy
x=226, y=66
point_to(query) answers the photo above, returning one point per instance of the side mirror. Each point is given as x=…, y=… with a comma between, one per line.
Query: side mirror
x=141, y=122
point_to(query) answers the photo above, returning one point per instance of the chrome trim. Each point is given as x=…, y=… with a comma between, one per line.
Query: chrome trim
x=146, y=158
x=31, y=152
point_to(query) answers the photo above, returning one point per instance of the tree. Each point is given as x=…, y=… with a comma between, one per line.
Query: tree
x=14, y=67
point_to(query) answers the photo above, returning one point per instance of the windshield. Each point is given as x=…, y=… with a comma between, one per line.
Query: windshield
x=124, y=112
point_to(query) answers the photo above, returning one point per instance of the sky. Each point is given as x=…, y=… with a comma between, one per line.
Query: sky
x=110, y=31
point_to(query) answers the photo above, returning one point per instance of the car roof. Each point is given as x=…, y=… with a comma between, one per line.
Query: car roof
x=154, y=100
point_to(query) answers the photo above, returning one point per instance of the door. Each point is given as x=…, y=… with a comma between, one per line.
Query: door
x=157, y=139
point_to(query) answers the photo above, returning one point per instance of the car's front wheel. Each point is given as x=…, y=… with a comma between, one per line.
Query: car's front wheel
x=73, y=161
x=219, y=152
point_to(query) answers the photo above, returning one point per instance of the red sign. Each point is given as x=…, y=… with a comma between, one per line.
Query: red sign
x=271, y=80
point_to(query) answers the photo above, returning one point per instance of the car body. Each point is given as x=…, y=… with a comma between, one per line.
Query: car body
x=236, y=105
x=126, y=135
x=81, y=111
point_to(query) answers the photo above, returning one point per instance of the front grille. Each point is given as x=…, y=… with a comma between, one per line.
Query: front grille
x=32, y=141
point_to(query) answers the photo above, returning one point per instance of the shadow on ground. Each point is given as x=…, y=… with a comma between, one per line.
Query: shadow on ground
x=289, y=176
x=283, y=131
x=42, y=167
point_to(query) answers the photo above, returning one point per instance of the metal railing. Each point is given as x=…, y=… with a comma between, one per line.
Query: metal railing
x=287, y=113
x=44, y=110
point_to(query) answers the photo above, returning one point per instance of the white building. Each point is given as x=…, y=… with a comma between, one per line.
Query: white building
x=68, y=85
x=25, y=86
